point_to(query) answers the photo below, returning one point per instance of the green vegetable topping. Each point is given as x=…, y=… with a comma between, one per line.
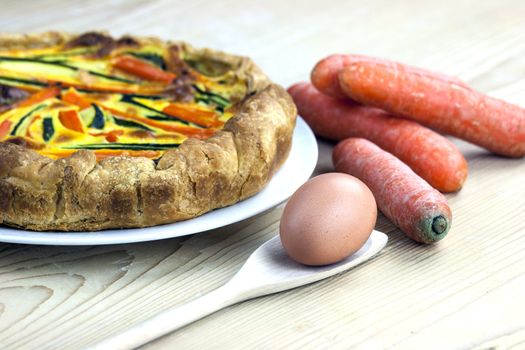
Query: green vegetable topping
x=129, y=123
x=24, y=118
x=98, y=121
x=154, y=58
x=49, y=130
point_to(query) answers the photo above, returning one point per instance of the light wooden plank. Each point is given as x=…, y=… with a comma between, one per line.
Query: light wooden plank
x=462, y=292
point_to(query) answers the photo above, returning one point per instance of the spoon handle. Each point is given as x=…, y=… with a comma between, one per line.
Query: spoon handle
x=172, y=319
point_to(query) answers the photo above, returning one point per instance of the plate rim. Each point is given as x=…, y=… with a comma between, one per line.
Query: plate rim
x=302, y=134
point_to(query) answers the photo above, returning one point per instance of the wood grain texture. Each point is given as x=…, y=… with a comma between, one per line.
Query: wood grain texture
x=465, y=292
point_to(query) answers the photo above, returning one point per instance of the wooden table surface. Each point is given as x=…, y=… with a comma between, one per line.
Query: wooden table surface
x=468, y=291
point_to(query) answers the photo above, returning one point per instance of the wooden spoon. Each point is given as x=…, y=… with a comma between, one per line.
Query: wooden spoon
x=268, y=270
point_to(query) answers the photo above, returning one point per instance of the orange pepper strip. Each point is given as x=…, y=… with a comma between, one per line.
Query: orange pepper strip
x=186, y=130
x=40, y=96
x=71, y=120
x=141, y=69
x=195, y=115
x=4, y=128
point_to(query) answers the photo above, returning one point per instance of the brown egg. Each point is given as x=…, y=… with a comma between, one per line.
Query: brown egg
x=328, y=219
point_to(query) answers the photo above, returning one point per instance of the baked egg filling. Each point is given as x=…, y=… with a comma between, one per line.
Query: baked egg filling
x=129, y=99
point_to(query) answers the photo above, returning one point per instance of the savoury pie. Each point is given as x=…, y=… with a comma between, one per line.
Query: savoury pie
x=98, y=132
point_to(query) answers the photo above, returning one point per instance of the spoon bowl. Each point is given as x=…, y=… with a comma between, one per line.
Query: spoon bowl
x=270, y=270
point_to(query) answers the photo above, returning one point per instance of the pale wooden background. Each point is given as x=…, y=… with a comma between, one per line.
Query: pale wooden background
x=465, y=292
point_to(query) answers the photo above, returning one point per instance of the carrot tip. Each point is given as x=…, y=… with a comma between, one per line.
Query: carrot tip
x=433, y=230
x=439, y=225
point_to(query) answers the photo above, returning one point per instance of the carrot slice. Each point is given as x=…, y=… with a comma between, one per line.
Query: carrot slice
x=103, y=153
x=71, y=120
x=141, y=69
x=113, y=135
x=40, y=96
x=129, y=89
x=72, y=97
x=186, y=130
x=4, y=128
x=195, y=115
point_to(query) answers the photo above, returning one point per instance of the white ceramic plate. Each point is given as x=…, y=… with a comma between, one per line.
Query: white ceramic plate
x=294, y=172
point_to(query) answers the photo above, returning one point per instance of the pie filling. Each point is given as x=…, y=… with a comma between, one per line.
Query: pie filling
x=115, y=97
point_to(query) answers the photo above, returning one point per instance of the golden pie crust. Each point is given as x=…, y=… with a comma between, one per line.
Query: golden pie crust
x=79, y=193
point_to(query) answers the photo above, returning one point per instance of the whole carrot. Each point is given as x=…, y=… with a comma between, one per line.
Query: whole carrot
x=445, y=106
x=406, y=199
x=325, y=75
x=429, y=154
